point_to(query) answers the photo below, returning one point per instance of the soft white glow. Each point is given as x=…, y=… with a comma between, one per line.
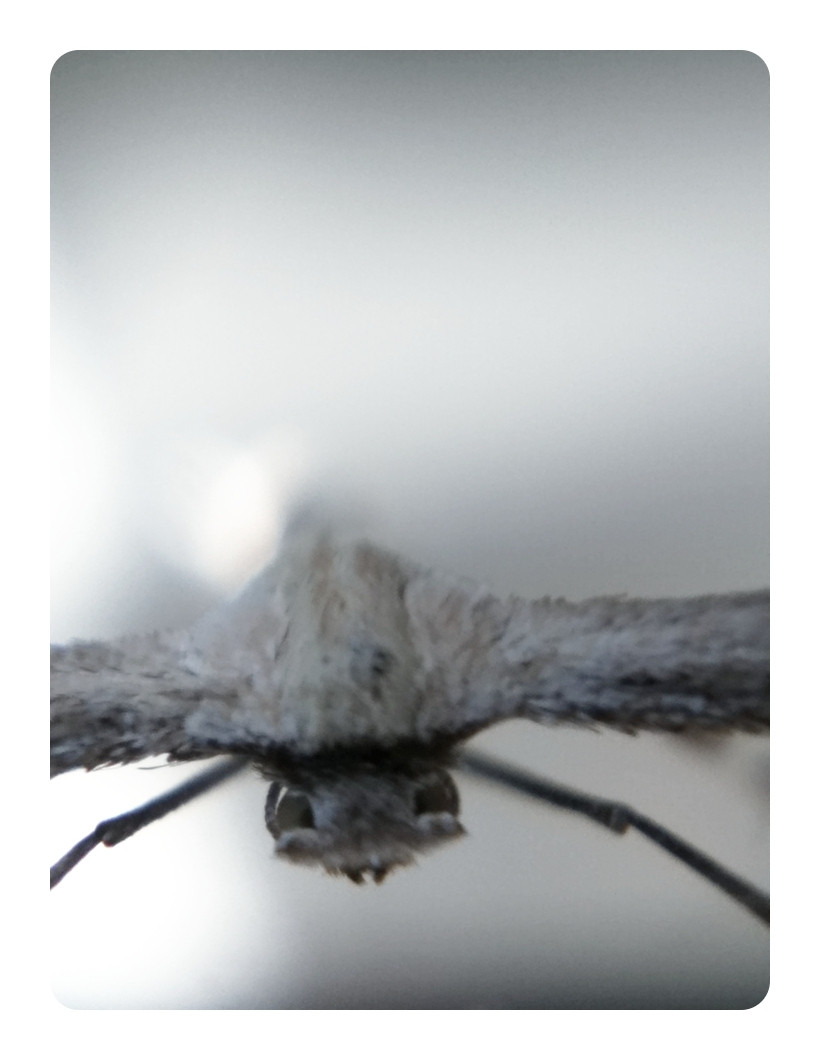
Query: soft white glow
x=244, y=508
x=218, y=507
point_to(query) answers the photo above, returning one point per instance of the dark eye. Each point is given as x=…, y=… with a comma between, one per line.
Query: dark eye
x=438, y=795
x=292, y=810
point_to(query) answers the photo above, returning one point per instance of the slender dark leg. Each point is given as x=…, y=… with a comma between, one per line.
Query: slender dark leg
x=618, y=817
x=115, y=829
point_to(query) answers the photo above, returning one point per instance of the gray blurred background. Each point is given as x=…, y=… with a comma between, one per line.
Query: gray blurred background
x=508, y=312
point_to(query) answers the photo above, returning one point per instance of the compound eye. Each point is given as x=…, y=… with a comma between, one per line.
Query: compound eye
x=438, y=795
x=292, y=810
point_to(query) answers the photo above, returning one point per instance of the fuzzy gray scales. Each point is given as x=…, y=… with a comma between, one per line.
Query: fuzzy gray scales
x=347, y=669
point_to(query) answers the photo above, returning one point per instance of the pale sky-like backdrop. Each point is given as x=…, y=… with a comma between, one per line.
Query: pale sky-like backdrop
x=507, y=312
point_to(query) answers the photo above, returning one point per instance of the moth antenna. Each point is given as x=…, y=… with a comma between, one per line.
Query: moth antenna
x=115, y=829
x=618, y=817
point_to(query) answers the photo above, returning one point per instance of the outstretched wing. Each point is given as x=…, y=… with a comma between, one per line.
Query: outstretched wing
x=348, y=673
x=628, y=663
x=350, y=647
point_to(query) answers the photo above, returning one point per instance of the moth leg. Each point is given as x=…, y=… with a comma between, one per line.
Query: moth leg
x=115, y=829
x=618, y=817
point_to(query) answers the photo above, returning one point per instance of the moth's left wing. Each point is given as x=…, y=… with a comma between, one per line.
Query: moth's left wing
x=627, y=663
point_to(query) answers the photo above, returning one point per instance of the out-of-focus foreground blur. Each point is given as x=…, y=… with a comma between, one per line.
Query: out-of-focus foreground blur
x=509, y=311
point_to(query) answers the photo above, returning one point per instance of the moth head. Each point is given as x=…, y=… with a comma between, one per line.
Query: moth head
x=363, y=821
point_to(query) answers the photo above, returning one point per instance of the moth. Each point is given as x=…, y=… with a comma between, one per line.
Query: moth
x=351, y=677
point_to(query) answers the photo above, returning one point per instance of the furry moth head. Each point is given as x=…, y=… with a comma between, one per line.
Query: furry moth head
x=363, y=821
